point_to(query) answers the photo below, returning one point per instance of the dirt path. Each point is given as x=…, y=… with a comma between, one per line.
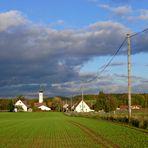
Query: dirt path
x=99, y=139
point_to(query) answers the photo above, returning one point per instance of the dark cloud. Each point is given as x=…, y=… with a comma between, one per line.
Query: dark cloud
x=33, y=54
x=115, y=64
x=139, y=43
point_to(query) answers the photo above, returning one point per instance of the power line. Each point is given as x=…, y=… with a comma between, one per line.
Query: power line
x=109, y=62
x=113, y=56
x=139, y=32
x=116, y=54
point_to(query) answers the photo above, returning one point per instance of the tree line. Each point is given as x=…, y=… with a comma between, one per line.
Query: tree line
x=107, y=102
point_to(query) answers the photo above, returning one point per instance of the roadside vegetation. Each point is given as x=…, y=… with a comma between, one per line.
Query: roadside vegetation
x=138, y=120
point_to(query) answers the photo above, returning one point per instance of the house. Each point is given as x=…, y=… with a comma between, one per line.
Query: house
x=123, y=107
x=30, y=110
x=37, y=104
x=81, y=107
x=65, y=107
x=136, y=107
x=44, y=108
x=20, y=105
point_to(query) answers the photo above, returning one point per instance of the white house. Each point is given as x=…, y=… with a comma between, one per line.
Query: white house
x=65, y=107
x=43, y=107
x=136, y=107
x=21, y=104
x=82, y=107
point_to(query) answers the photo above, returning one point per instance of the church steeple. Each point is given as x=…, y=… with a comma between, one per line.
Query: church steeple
x=41, y=96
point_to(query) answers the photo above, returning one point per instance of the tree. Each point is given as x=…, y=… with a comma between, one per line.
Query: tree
x=146, y=100
x=20, y=97
x=100, y=102
x=56, y=104
x=138, y=99
x=110, y=103
x=10, y=106
x=19, y=108
x=105, y=102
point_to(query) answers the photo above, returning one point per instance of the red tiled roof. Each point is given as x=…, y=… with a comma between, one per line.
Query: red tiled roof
x=39, y=104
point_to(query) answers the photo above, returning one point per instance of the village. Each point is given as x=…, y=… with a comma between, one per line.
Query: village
x=77, y=105
x=80, y=106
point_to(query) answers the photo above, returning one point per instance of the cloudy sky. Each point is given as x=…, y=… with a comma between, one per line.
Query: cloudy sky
x=58, y=44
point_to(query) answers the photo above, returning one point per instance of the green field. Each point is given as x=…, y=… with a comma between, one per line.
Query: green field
x=55, y=130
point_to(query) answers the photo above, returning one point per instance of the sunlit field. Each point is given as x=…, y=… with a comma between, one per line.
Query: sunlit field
x=55, y=130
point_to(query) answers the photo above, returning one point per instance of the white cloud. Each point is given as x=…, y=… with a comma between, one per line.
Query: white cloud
x=142, y=15
x=108, y=25
x=127, y=12
x=57, y=23
x=105, y=6
x=121, y=10
x=11, y=19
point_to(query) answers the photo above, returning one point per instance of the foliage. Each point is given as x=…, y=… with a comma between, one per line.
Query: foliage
x=11, y=106
x=105, y=102
x=108, y=102
x=56, y=104
x=20, y=97
x=136, y=120
x=19, y=108
x=4, y=104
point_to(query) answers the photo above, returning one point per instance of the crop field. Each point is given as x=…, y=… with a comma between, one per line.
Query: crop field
x=55, y=130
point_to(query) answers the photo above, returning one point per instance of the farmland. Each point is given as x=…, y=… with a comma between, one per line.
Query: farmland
x=55, y=130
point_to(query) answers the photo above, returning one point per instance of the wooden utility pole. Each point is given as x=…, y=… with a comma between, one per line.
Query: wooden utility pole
x=71, y=102
x=82, y=95
x=129, y=77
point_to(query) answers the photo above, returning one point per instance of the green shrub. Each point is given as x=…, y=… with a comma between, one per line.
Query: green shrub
x=145, y=124
x=135, y=122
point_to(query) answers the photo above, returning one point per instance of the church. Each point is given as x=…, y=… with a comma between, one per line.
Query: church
x=41, y=105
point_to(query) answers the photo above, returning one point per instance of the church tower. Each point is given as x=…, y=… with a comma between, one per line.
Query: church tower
x=40, y=96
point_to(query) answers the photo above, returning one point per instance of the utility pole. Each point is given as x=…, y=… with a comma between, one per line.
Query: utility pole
x=129, y=77
x=82, y=95
x=71, y=103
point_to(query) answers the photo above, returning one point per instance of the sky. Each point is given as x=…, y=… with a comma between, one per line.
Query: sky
x=58, y=45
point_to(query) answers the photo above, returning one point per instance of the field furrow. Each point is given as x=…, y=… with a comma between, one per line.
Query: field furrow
x=96, y=137
x=55, y=130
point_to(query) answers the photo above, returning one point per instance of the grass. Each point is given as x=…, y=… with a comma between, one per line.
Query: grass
x=123, y=136
x=55, y=130
x=40, y=130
